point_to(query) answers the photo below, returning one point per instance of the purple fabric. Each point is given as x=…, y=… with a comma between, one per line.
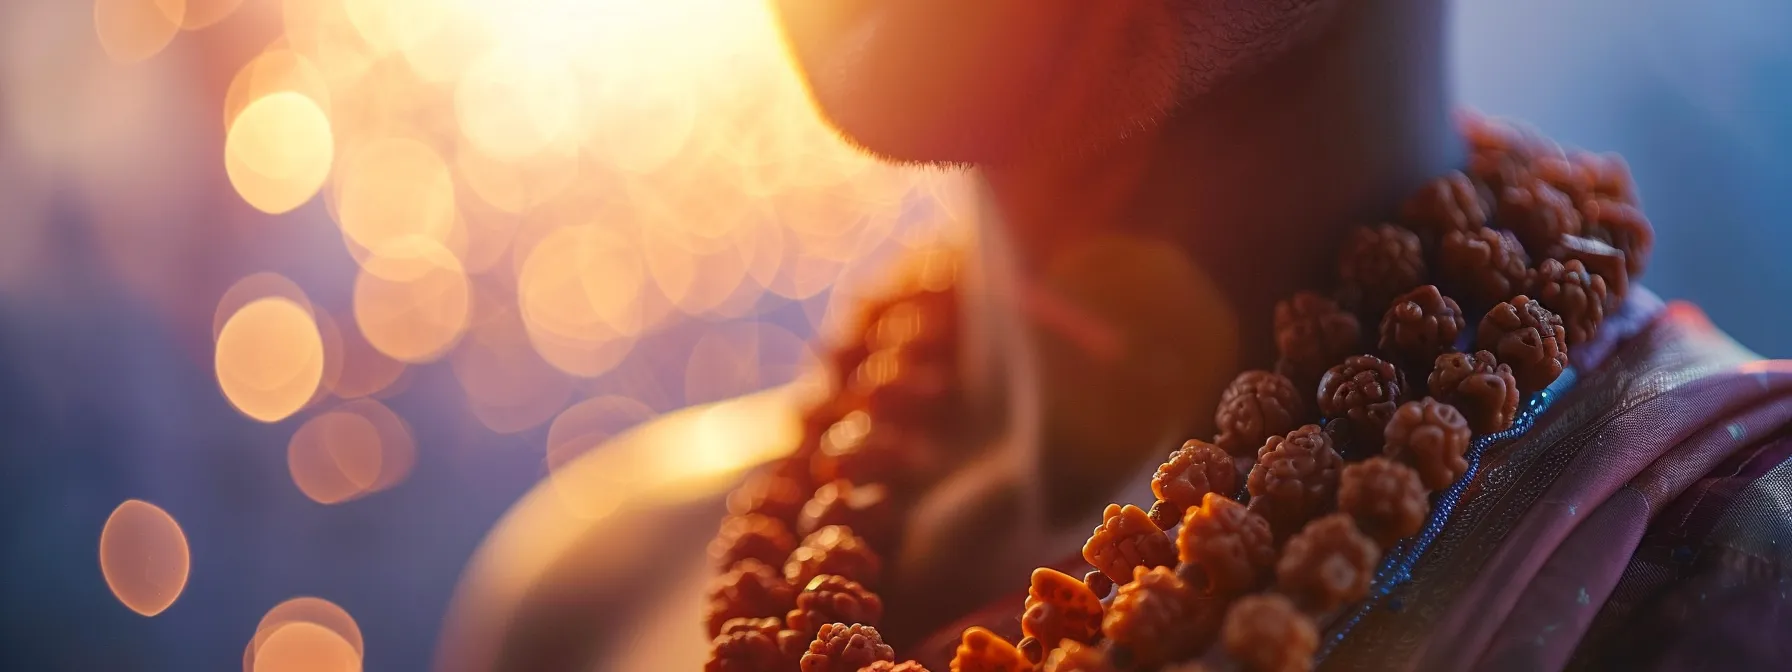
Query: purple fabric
x=1529, y=603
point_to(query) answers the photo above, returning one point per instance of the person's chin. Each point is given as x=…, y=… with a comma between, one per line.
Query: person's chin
x=932, y=81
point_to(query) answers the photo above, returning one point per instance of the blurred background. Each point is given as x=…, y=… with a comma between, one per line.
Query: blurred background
x=298, y=296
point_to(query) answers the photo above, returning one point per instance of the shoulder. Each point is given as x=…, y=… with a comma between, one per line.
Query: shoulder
x=588, y=559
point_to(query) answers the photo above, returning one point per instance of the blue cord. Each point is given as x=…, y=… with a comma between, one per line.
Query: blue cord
x=1396, y=568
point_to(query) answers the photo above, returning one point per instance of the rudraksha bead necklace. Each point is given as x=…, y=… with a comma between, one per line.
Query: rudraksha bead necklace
x=1361, y=438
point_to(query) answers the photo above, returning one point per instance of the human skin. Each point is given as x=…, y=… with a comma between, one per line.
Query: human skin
x=1154, y=175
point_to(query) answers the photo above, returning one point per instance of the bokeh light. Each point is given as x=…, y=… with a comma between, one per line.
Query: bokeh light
x=143, y=555
x=133, y=30
x=395, y=195
x=302, y=646
x=275, y=70
x=334, y=457
x=312, y=610
x=269, y=358
x=278, y=151
x=252, y=288
x=413, y=307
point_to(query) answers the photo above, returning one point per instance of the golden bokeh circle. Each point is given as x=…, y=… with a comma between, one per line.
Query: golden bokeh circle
x=269, y=358
x=413, y=308
x=392, y=192
x=134, y=30
x=303, y=646
x=144, y=557
x=278, y=152
x=335, y=457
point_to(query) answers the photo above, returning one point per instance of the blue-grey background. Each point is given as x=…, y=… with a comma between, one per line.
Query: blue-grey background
x=99, y=402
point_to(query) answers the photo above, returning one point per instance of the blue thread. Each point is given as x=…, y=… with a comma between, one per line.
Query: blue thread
x=1396, y=568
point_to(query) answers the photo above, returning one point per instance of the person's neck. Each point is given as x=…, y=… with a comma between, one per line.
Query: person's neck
x=1237, y=200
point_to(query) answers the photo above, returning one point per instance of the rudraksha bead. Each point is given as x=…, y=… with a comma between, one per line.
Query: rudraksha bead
x=1295, y=479
x=1195, y=469
x=980, y=650
x=1573, y=294
x=887, y=666
x=1126, y=539
x=1385, y=498
x=1233, y=547
x=1313, y=333
x=1329, y=564
x=1076, y=657
x=751, y=537
x=1602, y=260
x=1610, y=175
x=1524, y=335
x=750, y=645
x=833, y=599
x=1418, y=327
x=1451, y=202
x=1573, y=179
x=1478, y=386
x=1539, y=214
x=771, y=493
x=1362, y=392
x=1255, y=406
x=1623, y=226
x=833, y=550
x=1266, y=633
x=1381, y=262
x=1060, y=607
x=751, y=589
x=1432, y=437
x=1482, y=266
x=864, y=508
x=839, y=647
x=1150, y=619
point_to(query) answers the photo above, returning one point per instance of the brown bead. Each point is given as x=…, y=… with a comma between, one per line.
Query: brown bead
x=1361, y=392
x=1195, y=469
x=1449, y=203
x=1482, y=266
x=1163, y=515
x=833, y=550
x=1623, y=226
x=1126, y=539
x=833, y=599
x=980, y=650
x=1610, y=175
x=1602, y=260
x=1539, y=214
x=1478, y=386
x=1573, y=294
x=1381, y=262
x=1313, y=333
x=1098, y=583
x=1562, y=173
x=751, y=589
x=1432, y=437
x=887, y=666
x=1150, y=618
x=1266, y=633
x=1255, y=406
x=751, y=537
x=839, y=647
x=1418, y=327
x=1233, y=547
x=770, y=494
x=864, y=508
x=1329, y=564
x=1077, y=657
x=1385, y=498
x=749, y=645
x=1060, y=607
x=1524, y=335
x=1295, y=478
